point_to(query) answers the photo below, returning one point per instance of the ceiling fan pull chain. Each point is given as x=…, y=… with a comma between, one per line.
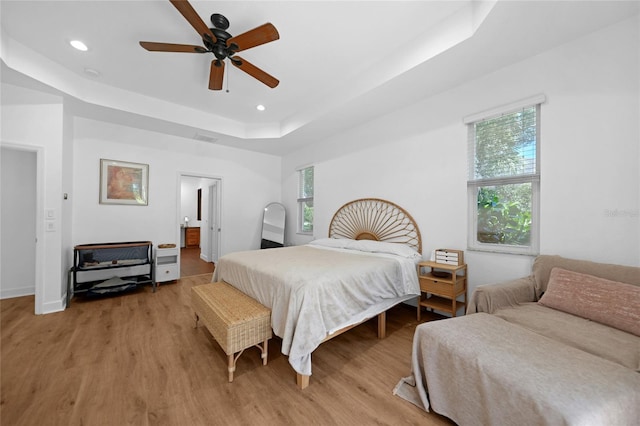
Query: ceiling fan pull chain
x=228, y=76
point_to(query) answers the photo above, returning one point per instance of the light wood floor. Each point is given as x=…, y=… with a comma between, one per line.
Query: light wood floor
x=135, y=359
x=191, y=264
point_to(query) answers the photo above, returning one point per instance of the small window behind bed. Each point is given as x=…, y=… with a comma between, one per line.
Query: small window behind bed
x=305, y=200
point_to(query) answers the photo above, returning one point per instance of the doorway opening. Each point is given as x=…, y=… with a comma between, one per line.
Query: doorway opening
x=198, y=223
x=22, y=201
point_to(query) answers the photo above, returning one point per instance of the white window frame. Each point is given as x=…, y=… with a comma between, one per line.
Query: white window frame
x=474, y=184
x=302, y=200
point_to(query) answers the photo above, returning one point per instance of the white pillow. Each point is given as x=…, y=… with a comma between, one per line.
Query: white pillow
x=397, y=249
x=331, y=242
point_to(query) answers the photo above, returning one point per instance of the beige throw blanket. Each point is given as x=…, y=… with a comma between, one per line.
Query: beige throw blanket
x=482, y=370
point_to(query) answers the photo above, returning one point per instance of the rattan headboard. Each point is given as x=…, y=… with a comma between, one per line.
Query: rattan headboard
x=375, y=219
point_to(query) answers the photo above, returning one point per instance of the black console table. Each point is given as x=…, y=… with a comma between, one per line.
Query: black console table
x=107, y=268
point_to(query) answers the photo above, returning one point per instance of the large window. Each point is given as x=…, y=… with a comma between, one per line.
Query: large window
x=504, y=180
x=305, y=200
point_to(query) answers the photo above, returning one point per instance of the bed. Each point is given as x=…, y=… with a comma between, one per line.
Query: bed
x=319, y=290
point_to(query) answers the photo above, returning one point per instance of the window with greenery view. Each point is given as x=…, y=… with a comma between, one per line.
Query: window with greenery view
x=305, y=200
x=504, y=180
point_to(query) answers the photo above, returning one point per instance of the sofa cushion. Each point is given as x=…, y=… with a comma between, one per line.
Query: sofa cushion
x=598, y=339
x=608, y=302
x=543, y=265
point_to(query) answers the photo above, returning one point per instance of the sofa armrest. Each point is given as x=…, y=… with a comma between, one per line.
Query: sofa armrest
x=491, y=297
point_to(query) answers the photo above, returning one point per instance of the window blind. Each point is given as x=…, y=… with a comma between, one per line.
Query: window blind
x=305, y=184
x=504, y=146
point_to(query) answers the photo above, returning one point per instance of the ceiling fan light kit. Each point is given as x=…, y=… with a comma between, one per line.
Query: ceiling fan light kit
x=221, y=44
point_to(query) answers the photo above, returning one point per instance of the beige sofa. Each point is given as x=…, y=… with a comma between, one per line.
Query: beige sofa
x=559, y=347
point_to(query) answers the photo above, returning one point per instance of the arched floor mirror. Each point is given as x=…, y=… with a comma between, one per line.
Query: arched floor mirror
x=273, y=226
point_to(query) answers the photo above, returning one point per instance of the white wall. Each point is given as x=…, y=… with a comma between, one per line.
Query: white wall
x=34, y=121
x=417, y=157
x=69, y=153
x=249, y=181
x=66, y=213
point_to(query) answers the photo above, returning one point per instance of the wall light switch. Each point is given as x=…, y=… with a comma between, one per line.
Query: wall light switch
x=50, y=226
x=50, y=213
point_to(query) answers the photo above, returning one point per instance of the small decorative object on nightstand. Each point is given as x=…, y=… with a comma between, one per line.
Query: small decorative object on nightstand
x=441, y=284
x=167, y=263
x=448, y=256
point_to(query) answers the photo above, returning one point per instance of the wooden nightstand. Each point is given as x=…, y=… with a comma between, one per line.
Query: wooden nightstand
x=192, y=237
x=442, y=294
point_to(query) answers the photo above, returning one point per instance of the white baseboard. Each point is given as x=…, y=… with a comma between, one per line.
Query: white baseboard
x=47, y=308
x=55, y=306
x=9, y=293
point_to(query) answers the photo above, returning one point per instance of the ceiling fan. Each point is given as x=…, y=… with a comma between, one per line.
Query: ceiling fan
x=223, y=45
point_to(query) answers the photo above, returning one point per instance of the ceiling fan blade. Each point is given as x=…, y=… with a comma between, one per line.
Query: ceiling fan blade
x=255, y=72
x=185, y=8
x=152, y=46
x=216, y=75
x=255, y=37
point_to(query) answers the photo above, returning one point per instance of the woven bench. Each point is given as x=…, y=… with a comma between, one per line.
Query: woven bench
x=235, y=320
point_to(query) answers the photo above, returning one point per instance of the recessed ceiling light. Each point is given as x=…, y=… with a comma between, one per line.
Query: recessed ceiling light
x=260, y=107
x=79, y=45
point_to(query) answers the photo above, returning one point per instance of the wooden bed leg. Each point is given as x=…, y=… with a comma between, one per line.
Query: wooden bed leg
x=302, y=381
x=382, y=325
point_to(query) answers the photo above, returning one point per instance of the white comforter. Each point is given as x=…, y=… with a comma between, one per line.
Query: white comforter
x=314, y=291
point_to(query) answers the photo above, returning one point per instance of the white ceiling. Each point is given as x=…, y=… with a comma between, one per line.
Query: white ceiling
x=340, y=63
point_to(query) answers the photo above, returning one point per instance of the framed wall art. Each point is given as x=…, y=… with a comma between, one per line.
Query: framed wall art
x=122, y=182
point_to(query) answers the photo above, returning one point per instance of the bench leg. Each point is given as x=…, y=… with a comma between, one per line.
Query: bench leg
x=231, y=366
x=265, y=352
x=232, y=359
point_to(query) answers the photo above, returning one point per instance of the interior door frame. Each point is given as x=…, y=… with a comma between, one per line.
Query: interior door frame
x=178, y=216
x=39, y=224
x=213, y=213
